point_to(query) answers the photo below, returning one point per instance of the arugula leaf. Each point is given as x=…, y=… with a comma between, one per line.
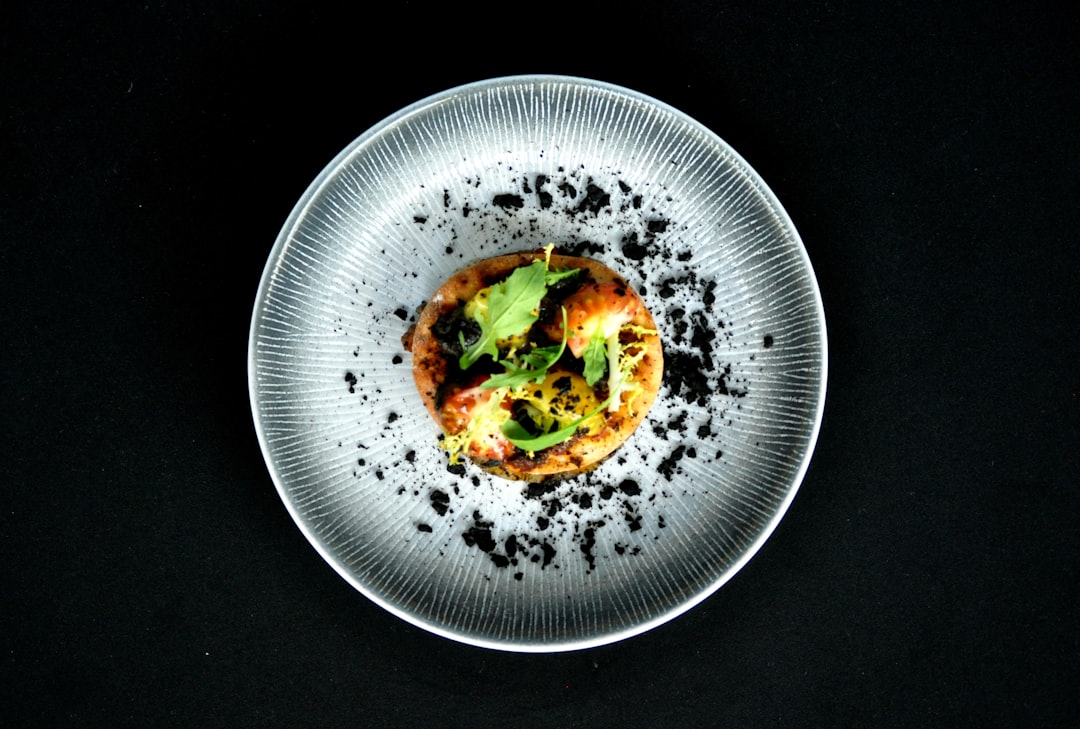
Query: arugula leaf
x=553, y=277
x=595, y=356
x=511, y=309
x=515, y=376
x=550, y=276
x=516, y=433
x=538, y=362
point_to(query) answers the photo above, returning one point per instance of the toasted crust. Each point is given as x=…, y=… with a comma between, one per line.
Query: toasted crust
x=433, y=371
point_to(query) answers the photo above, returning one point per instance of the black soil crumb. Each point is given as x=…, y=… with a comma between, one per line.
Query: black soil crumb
x=440, y=502
x=350, y=378
x=589, y=542
x=509, y=202
x=595, y=200
x=479, y=534
x=634, y=250
x=669, y=465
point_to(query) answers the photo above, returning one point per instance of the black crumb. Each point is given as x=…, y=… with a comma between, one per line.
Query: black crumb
x=583, y=248
x=509, y=202
x=549, y=554
x=351, y=379
x=479, y=534
x=670, y=464
x=595, y=200
x=632, y=249
x=589, y=542
x=440, y=502
x=422, y=527
x=686, y=377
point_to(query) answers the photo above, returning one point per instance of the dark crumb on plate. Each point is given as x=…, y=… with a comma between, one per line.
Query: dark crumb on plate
x=634, y=250
x=509, y=202
x=669, y=465
x=595, y=199
x=479, y=534
x=581, y=248
x=351, y=379
x=589, y=542
x=440, y=502
x=549, y=554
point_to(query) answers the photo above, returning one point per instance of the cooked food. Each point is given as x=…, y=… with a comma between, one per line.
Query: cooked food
x=536, y=364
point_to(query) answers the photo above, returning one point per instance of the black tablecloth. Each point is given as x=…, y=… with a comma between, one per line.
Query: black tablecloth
x=925, y=573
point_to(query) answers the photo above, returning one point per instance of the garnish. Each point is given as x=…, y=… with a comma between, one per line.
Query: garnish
x=533, y=367
x=517, y=434
x=597, y=314
x=595, y=356
x=512, y=307
x=482, y=414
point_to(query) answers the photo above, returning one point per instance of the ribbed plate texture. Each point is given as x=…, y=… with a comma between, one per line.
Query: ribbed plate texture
x=507, y=165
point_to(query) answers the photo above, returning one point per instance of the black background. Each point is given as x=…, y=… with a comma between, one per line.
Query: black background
x=925, y=574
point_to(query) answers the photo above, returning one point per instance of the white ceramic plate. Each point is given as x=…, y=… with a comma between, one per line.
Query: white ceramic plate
x=513, y=164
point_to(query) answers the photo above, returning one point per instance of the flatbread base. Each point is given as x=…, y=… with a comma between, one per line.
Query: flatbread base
x=582, y=452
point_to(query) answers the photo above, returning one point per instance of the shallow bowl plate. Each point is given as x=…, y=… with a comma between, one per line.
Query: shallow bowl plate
x=512, y=164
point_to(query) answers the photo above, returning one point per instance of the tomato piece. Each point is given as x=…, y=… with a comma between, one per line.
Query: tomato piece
x=604, y=306
x=465, y=404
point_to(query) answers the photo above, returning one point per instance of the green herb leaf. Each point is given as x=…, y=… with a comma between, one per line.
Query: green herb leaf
x=555, y=276
x=538, y=362
x=516, y=433
x=595, y=356
x=511, y=309
x=514, y=377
